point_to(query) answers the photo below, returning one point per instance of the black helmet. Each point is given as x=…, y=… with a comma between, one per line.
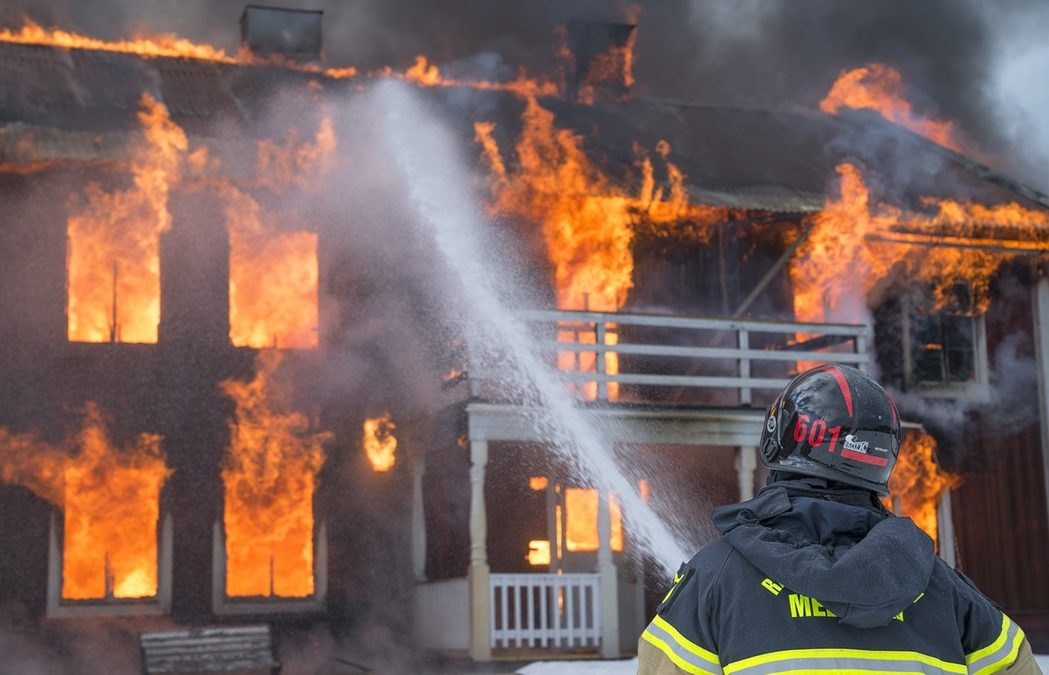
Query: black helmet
x=833, y=422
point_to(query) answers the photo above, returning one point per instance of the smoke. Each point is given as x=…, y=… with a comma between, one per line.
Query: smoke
x=1016, y=86
x=1006, y=398
x=976, y=64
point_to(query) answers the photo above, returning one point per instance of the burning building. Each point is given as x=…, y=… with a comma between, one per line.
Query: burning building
x=167, y=319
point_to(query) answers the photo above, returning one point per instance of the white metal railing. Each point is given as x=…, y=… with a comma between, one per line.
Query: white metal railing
x=545, y=610
x=742, y=355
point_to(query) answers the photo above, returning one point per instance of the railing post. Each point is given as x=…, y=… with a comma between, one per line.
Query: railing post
x=606, y=567
x=418, y=517
x=479, y=572
x=746, y=465
x=861, y=348
x=599, y=339
x=743, y=343
x=945, y=528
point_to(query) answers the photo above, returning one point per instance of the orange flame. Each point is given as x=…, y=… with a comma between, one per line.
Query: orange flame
x=421, y=73
x=835, y=265
x=380, y=445
x=615, y=66
x=273, y=274
x=587, y=221
x=581, y=505
x=105, y=494
x=879, y=87
x=538, y=552
x=846, y=254
x=154, y=45
x=113, y=262
x=294, y=163
x=164, y=45
x=918, y=481
x=270, y=475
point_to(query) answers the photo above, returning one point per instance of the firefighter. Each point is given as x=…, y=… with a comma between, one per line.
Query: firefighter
x=814, y=574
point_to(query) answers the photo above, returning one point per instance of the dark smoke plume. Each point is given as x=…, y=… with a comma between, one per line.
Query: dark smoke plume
x=982, y=67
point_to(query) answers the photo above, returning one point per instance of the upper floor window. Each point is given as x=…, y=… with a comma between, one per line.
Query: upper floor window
x=945, y=347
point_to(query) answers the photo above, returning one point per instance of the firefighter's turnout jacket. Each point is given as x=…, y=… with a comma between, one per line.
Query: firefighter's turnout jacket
x=812, y=578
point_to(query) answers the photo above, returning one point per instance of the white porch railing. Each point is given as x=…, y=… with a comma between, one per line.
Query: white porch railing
x=545, y=610
x=683, y=352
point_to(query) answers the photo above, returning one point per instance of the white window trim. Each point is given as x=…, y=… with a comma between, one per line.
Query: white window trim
x=977, y=390
x=223, y=605
x=158, y=605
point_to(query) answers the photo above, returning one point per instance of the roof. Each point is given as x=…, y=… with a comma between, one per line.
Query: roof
x=76, y=104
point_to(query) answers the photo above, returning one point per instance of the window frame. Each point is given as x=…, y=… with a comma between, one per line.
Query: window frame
x=158, y=605
x=223, y=605
x=976, y=389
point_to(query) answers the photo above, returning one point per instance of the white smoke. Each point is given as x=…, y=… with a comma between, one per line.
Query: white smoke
x=1017, y=86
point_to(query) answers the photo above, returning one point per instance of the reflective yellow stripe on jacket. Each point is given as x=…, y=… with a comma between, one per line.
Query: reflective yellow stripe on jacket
x=843, y=661
x=999, y=653
x=683, y=653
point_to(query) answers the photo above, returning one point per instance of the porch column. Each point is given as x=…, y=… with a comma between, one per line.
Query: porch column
x=418, y=517
x=945, y=528
x=606, y=567
x=480, y=645
x=1040, y=301
x=746, y=465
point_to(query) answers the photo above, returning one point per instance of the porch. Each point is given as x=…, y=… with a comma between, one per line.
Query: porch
x=661, y=380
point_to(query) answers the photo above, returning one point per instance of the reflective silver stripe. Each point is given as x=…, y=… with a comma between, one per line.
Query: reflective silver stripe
x=839, y=664
x=679, y=650
x=997, y=658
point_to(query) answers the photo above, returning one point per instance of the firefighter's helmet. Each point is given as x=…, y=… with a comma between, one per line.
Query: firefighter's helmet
x=833, y=422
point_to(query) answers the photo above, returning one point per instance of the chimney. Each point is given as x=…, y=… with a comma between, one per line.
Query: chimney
x=603, y=56
x=292, y=33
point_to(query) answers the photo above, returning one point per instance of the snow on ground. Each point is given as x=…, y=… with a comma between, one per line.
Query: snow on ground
x=627, y=667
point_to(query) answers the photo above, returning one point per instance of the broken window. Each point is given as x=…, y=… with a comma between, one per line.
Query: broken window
x=273, y=290
x=269, y=545
x=95, y=568
x=113, y=255
x=581, y=521
x=108, y=544
x=944, y=347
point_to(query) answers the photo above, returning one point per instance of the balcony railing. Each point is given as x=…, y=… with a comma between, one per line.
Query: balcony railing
x=640, y=357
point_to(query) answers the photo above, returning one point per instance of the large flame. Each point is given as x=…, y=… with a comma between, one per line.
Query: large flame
x=587, y=220
x=581, y=506
x=273, y=273
x=272, y=279
x=918, y=481
x=880, y=88
x=110, y=499
x=380, y=445
x=114, y=240
x=854, y=242
x=270, y=474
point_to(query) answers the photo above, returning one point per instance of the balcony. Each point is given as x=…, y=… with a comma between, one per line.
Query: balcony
x=661, y=380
